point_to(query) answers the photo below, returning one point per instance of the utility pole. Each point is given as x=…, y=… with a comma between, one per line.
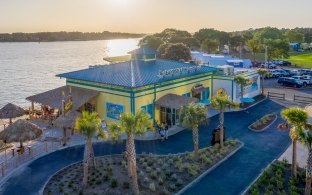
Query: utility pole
x=266, y=53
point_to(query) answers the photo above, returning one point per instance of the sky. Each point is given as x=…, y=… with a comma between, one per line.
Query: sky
x=150, y=16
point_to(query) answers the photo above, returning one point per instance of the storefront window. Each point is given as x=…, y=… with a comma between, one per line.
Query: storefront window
x=114, y=111
x=148, y=109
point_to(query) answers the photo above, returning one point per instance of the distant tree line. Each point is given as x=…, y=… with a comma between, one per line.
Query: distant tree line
x=65, y=36
x=214, y=41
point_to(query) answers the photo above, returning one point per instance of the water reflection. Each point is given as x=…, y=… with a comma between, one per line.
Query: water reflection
x=30, y=68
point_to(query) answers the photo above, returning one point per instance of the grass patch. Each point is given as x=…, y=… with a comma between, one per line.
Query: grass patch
x=301, y=60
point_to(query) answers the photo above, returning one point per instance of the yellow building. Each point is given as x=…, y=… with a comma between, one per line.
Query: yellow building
x=160, y=87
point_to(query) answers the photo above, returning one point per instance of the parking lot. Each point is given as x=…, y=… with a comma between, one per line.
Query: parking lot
x=271, y=85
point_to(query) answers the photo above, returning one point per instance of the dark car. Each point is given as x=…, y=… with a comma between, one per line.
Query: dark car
x=288, y=81
x=282, y=62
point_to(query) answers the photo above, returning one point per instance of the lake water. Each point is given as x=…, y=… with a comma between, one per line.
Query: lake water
x=30, y=68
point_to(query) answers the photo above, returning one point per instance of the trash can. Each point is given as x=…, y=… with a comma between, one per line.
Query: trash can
x=216, y=136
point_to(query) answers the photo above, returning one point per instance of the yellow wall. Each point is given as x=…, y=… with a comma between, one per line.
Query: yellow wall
x=147, y=97
x=143, y=95
x=105, y=95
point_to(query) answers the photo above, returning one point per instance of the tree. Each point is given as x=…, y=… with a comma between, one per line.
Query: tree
x=306, y=138
x=262, y=72
x=255, y=47
x=277, y=48
x=209, y=45
x=175, y=51
x=220, y=102
x=294, y=36
x=132, y=124
x=151, y=41
x=242, y=81
x=297, y=117
x=89, y=126
x=268, y=33
x=191, y=116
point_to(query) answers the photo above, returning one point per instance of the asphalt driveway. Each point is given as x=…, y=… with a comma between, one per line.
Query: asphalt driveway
x=229, y=178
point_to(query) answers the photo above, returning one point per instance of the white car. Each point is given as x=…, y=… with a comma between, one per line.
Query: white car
x=268, y=65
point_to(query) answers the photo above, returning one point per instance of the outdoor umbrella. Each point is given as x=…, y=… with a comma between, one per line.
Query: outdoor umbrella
x=247, y=100
x=66, y=121
x=20, y=131
x=11, y=111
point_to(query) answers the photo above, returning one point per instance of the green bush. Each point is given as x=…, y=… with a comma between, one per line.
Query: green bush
x=148, y=169
x=179, y=183
x=98, y=182
x=154, y=174
x=172, y=187
x=160, y=181
x=106, y=177
x=152, y=187
x=174, y=177
x=114, y=183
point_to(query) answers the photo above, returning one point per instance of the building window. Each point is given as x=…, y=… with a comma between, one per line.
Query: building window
x=187, y=94
x=114, y=111
x=148, y=109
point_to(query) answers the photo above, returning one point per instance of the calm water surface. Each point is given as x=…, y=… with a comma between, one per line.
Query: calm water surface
x=30, y=68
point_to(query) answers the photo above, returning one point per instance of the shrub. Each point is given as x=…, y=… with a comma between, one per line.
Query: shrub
x=146, y=180
x=168, y=172
x=98, y=182
x=153, y=174
x=174, y=177
x=164, y=192
x=141, y=174
x=179, y=183
x=152, y=187
x=145, y=165
x=170, y=161
x=148, y=169
x=172, y=187
x=125, y=185
x=114, y=183
x=158, y=170
x=160, y=181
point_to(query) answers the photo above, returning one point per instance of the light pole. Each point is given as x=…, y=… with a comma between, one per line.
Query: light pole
x=266, y=53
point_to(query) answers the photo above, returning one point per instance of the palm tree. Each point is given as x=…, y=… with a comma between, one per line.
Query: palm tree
x=305, y=138
x=262, y=72
x=132, y=124
x=89, y=126
x=220, y=101
x=242, y=81
x=191, y=117
x=297, y=117
x=254, y=46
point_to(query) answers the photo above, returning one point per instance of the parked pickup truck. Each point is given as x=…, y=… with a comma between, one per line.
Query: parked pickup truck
x=306, y=80
x=288, y=81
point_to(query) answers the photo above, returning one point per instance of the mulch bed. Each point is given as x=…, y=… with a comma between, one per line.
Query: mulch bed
x=262, y=123
x=157, y=174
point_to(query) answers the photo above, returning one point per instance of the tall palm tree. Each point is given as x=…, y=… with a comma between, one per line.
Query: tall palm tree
x=88, y=125
x=254, y=46
x=305, y=137
x=297, y=117
x=132, y=124
x=220, y=101
x=242, y=81
x=191, y=116
x=262, y=72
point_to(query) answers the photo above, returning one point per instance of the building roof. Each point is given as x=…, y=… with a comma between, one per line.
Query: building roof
x=137, y=73
x=175, y=101
x=143, y=50
x=54, y=97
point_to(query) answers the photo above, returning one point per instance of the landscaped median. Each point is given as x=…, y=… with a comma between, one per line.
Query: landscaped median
x=157, y=174
x=263, y=123
x=277, y=179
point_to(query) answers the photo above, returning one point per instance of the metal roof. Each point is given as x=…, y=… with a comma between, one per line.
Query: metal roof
x=136, y=73
x=143, y=50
